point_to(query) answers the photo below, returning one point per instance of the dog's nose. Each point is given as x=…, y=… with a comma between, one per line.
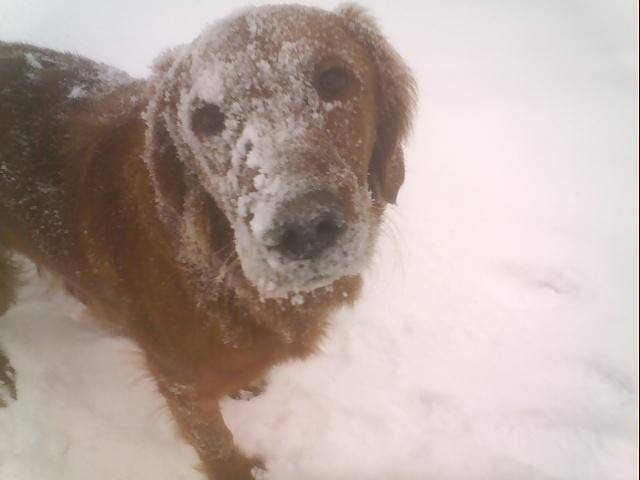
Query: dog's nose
x=307, y=226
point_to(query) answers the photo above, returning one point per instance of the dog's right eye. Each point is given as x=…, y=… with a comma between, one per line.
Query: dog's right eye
x=208, y=119
x=333, y=83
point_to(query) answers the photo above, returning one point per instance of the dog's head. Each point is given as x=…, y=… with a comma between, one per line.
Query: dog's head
x=279, y=131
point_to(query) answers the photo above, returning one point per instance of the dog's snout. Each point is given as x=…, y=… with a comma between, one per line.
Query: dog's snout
x=308, y=225
x=308, y=239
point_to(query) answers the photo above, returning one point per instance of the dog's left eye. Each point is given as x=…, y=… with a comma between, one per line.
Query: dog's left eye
x=333, y=82
x=208, y=119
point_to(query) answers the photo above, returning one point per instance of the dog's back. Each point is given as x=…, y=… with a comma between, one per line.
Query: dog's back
x=57, y=111
x=46, y=97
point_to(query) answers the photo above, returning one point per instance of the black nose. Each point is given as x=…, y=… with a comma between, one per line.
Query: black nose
x=307, y=226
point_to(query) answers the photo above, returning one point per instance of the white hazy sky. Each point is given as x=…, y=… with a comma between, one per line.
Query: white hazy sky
x=127, y=33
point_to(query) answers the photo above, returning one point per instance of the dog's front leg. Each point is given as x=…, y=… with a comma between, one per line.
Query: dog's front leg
x=200, y=421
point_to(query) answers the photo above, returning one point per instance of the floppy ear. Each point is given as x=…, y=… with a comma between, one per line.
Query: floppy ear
x=162, y=148
x=396, y=93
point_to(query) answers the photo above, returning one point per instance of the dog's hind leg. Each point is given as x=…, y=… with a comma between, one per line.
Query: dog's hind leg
x=8, y=287
x=7, y=379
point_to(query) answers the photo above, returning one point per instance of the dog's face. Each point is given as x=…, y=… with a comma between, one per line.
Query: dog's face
x=278, y=115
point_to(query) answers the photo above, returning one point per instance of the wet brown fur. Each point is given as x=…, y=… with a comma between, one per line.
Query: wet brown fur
x=77, y=199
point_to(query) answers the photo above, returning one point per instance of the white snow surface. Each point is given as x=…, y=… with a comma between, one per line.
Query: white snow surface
x=497, y=334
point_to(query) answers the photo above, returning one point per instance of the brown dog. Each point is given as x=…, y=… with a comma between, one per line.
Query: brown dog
x=216, y=213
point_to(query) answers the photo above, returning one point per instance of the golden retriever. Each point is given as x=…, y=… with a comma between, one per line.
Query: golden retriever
x=217, y=212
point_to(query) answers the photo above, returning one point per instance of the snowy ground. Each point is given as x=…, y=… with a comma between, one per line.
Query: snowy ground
x=497, y=337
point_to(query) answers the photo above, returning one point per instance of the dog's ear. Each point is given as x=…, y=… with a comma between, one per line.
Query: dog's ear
x=162, y=147
x=396, y=93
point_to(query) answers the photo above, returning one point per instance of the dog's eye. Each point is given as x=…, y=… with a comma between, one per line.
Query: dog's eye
x=208, y=119
x=332, y=82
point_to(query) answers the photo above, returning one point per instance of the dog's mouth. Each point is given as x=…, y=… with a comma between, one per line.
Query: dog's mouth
x=301, y=244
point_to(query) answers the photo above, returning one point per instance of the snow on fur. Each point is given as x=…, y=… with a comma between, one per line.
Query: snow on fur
x=263, y=136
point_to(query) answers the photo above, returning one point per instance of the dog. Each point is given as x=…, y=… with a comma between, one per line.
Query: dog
x=217, y=212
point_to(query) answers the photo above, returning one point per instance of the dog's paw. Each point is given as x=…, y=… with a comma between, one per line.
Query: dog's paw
x=250, y=391
x=259, y=471
x=7, y=381
x=238, y=467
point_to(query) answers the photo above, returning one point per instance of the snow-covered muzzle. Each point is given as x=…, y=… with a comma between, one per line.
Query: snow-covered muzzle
x=278, y=125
